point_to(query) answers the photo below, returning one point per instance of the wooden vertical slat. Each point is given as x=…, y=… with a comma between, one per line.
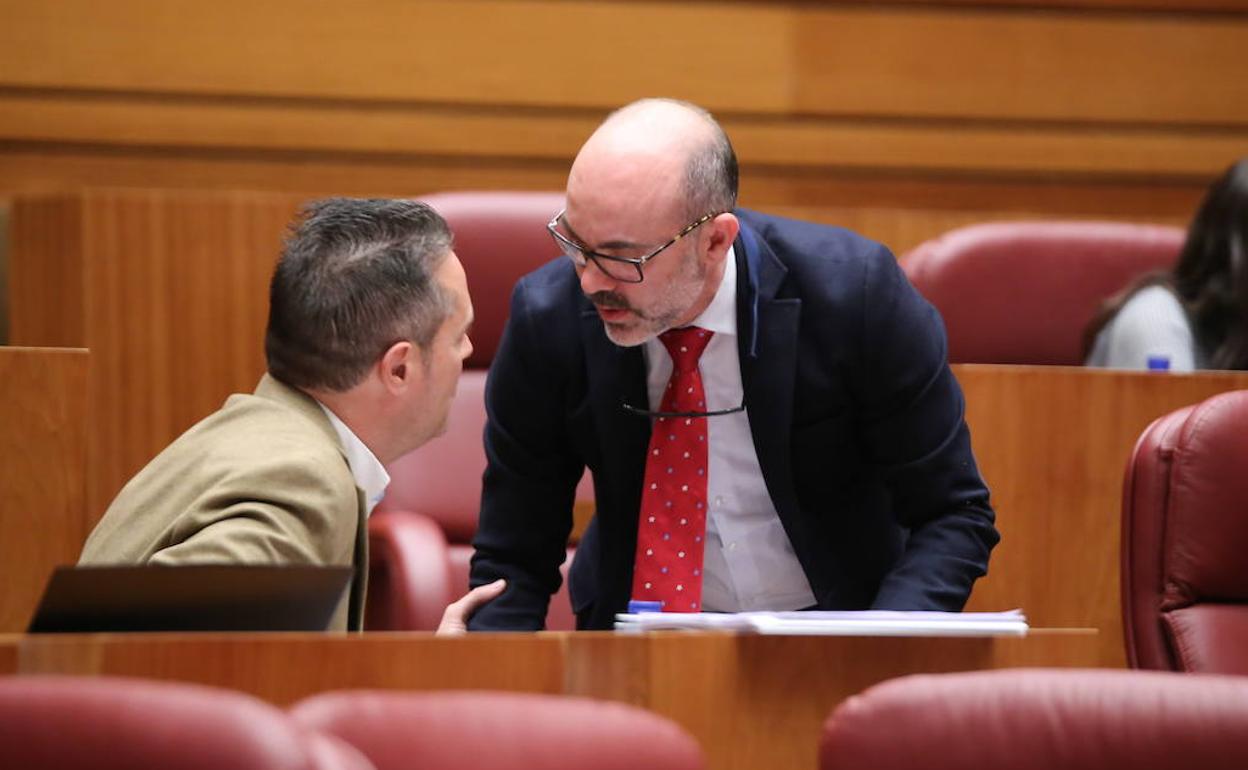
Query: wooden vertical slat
x=172, y=290
x=43, y=455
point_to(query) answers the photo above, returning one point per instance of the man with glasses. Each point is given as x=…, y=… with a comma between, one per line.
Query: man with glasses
x=765, y=405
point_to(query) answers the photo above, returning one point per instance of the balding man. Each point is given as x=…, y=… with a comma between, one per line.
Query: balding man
x=765, y=405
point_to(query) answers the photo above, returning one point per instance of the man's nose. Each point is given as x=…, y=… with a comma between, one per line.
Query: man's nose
x=594, y=280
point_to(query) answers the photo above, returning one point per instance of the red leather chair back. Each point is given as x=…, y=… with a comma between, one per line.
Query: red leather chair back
x=1022, y=292
x=1041, y=719
x=420, y=535
x=1185, y=540
x=484, y=730
x=102, y=723
x=499, y=237
x=442, y=479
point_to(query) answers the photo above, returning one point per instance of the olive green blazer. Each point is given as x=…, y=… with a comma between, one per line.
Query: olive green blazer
x=263, y=480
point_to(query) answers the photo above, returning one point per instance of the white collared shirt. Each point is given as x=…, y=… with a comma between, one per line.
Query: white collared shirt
x=749, y=562
x=370, y=475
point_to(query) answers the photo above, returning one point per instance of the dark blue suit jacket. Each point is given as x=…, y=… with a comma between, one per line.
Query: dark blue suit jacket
x=856, y=419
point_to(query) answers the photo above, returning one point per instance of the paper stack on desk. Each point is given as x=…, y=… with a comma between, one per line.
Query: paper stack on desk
x=814, y=623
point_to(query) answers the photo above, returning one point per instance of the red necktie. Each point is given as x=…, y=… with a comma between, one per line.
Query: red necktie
x=672, y=525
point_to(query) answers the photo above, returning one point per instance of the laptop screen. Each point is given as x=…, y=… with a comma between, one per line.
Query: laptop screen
x=217, y=597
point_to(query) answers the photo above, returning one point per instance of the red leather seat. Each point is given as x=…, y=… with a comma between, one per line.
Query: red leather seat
x=1185, y=540
x=499, y=237
x=1023, y=292
x=420, y=535
x=1042, y=719
x=485, y=730
x=104, y=723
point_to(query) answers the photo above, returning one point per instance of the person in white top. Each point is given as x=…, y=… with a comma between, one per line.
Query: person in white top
x=838, y=470
x=1194, y=316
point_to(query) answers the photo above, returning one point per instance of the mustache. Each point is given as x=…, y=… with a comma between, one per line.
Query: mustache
x=609, y=300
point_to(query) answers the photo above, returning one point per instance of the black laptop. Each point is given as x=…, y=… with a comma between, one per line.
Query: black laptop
x=190, y=598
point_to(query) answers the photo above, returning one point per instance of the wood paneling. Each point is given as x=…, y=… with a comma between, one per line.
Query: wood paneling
x=8, y=654
x=476, y=52
x=750, y=701
x=283, y=668
x=415, y=96
x=758, y=57
x=135, y=121
x=43, y=439
x=1052, y=443
x=168, y=291
x=993, y=64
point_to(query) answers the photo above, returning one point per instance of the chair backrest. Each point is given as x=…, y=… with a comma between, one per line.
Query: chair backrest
x=1185, y=540
x=499, y=237
x=414, y=570
x=1039, y=719
x=106, y=723
x=1023, y=292
x=442, y=479
x=486, y=730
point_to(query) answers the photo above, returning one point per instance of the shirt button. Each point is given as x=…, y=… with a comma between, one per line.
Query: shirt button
x=732, y=546
x=719, y=501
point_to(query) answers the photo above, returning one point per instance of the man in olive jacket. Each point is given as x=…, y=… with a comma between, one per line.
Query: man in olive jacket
x=367, y=334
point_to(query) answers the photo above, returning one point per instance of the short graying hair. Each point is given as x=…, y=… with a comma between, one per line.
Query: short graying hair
x=355, y=277
x=711, y=176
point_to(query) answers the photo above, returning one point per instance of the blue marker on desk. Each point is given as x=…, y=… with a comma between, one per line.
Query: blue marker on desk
x=1159, y=363
x=635, y=606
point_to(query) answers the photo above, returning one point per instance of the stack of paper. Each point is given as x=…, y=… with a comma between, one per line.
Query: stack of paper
x=866, y=623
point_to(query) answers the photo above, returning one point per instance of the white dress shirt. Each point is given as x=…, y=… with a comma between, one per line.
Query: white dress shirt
x=749, y=562
x=370, y=475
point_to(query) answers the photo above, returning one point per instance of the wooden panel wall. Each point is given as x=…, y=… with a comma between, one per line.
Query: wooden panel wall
x=169, y=291
x=1052, y=443
x=986, y=109
x=43, y=440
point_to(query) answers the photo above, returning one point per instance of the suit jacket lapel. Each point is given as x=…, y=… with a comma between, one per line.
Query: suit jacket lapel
x=767, y=329
x=615, y=374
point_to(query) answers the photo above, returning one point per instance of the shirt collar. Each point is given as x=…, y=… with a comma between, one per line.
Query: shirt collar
x=721, y=315
x=370, y=475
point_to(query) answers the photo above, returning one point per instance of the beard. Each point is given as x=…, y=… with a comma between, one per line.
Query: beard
x=672, y=302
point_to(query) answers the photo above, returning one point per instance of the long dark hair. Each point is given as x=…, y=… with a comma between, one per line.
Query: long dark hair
x=1210, y=278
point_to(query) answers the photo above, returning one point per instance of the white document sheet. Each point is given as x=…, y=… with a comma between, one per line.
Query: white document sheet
x=815, y=623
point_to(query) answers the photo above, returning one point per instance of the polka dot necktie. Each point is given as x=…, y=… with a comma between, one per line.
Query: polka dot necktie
x=672, y=522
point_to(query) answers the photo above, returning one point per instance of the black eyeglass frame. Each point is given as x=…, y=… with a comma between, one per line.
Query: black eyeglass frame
x=647, y=413
x=572, y=250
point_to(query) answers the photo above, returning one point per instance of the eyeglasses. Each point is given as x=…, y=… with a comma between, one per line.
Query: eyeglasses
x=662, y=415
x=621, y=269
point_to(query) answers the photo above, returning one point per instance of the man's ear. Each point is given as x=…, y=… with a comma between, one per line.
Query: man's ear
x=723, y=231
x=399, y=367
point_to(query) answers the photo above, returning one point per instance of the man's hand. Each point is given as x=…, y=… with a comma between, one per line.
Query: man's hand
x=455, y=619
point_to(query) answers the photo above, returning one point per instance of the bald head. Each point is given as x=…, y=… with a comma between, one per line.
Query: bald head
x=667, y=155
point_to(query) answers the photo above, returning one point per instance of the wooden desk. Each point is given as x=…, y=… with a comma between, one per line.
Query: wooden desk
x=1052, y=442
x=43, y=457
x=751, y=701
x=8, y=653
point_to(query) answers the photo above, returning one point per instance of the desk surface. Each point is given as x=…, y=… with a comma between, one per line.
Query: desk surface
x=751, y=701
